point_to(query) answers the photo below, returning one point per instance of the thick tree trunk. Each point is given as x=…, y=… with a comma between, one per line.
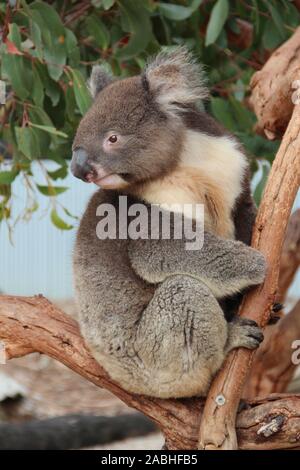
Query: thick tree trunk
x=217, y=430
x=33, y=324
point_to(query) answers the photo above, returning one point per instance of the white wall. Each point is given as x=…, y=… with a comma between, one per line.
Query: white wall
x=39, y=261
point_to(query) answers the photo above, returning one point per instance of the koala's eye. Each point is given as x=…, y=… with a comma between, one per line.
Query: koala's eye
x=113, y=139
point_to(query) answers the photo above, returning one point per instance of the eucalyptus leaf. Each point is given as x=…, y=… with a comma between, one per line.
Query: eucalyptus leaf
x=97, y=29
x=51, y=88
x=38, y=89
x=217, y=20
x=72, y=48
x=50, y=130
x=7, y=177
x=13, y=68
x=82, y=95
x=277, y=18
x=14, y=35
x=59, y=173
x=27, y=142
x=51, y=190
x=178, y=12
x=271, y=39
x=242, y=115
x=139, y=24
x=36, y=37
x=222, y=112
x=107, y=4
x=54, y=36
x=38, y=116
x=59, y=222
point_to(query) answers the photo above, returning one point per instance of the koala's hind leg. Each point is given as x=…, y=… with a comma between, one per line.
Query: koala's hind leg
x=181, y=338
x=243, y=333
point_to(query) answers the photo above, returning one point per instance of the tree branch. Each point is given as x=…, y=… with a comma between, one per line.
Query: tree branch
x=217, y=430
x=271, y=96
x=290, y=257
x=268, y=374
x=33, y=324
x=273, y=367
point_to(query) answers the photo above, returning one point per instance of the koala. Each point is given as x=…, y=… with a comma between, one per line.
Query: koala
x=150, y=310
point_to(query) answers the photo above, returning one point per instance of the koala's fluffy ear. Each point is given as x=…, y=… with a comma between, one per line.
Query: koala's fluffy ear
x=175, y=79
x=99, y=79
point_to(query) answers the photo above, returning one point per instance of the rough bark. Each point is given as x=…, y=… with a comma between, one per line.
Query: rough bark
x=290, y=257
x=273, y=367
x=217, y=429
x=270, y=423
x=272, y=91
x=268, y=373
x=33, y=324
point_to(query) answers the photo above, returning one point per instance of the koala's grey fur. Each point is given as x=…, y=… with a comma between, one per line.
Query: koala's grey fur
x=99, y=79
x=149, y=309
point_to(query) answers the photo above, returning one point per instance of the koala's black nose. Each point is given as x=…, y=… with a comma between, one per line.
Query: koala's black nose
x=80, y=166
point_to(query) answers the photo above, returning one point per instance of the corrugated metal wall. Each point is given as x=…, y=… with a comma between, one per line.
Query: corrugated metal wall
x=40, y=259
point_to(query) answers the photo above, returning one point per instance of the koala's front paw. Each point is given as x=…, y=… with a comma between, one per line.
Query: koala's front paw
x=257, y=267
x=243, y=333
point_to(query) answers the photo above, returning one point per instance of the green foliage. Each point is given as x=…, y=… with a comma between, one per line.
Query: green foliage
x=51, y=190
x=178, y=12
x=217, y=19
x=48, y=50
x=59, y=222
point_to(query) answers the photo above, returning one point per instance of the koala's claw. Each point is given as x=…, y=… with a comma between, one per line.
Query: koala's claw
x=256, y=333
x=246, y=321
x=243, y=333
x=254, y=330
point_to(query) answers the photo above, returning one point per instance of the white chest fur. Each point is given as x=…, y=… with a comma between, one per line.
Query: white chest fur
x=210, y=172
x=217, y=158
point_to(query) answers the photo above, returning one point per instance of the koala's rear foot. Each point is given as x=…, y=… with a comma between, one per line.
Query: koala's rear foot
x=243, y=333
